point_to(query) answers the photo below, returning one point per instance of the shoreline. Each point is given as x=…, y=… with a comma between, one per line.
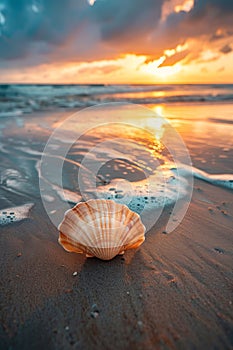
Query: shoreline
x=174, y=292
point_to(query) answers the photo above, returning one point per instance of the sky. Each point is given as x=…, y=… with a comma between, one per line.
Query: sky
x=116, y=41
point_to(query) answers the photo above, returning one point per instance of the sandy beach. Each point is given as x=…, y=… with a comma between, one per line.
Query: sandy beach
x=174, y=292
x=116, y=175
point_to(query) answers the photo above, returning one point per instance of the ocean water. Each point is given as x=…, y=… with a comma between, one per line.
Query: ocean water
x=132, y=155
x=22, y=99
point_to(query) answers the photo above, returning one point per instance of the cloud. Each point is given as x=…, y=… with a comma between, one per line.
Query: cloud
x=95, y=69
x=221, y=34
x=226, y=49
x=177, y=57
x=34, y=32
x=30, y=25
x=204, y=19
x=204, y=70
x=42, y=23
x=126, y=19
x=207, y=56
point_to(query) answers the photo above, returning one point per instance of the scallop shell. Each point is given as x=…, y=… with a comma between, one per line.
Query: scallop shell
x=101, y=228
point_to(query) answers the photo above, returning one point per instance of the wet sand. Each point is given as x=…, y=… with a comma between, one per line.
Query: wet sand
x=174, y=292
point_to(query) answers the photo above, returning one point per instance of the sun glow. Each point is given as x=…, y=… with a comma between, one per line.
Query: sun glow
x=162, y=73
x=155, y=125
x=131, y=68
x=159, y=110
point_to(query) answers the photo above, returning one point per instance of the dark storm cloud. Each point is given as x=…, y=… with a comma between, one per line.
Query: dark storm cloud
x=202, y=7
x=205, y=18
x=42, y=22
x=30, y=23
x=38, y=31
x=123, y=18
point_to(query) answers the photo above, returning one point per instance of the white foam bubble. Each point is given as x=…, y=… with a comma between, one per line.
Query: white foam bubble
x=223, y=180
x=15, y=214
x=161, y=189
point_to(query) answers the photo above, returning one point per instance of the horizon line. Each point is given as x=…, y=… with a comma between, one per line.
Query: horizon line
x=110, y=84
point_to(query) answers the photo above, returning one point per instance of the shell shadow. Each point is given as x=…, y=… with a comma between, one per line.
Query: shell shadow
x=110, y=295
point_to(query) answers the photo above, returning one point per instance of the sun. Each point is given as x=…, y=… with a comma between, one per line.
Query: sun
x=165, y=72
x=161, y=73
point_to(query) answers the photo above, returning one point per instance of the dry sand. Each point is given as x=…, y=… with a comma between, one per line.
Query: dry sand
x=175, y=292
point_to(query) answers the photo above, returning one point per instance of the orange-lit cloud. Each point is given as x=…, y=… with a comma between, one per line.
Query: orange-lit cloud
x=108, y=41
x=130, y=68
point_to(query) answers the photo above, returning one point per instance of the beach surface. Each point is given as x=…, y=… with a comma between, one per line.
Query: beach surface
x=174, y=292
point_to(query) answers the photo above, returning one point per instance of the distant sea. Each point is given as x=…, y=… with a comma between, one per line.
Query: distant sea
x=29, y=115
x=19, y=99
